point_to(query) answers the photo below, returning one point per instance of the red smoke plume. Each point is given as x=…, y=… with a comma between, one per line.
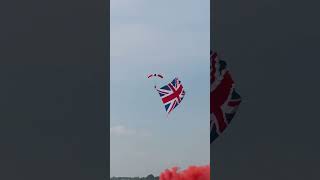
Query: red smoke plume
x=191, y=173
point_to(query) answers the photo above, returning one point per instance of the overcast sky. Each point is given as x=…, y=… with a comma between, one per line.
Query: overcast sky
x=172, y=38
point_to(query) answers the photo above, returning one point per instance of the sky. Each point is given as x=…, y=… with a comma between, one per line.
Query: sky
x=168, y=37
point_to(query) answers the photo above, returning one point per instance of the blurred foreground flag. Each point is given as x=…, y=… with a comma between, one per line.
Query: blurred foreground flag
x=224, y=100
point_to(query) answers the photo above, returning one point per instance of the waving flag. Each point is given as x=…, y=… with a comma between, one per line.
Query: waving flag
x=171, y=94
x=224, y=100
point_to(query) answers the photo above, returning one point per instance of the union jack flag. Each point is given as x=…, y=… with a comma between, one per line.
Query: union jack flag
x=224, y=100
x=172, y=94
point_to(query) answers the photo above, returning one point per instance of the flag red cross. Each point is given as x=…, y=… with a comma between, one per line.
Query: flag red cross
x=175, y=94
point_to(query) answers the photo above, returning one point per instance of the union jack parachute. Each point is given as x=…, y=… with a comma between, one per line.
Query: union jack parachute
x=171, y=94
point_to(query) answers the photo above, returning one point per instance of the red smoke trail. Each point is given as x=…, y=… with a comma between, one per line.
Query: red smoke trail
x=191, y=173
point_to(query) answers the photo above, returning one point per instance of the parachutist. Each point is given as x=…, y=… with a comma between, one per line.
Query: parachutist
x=171, y=94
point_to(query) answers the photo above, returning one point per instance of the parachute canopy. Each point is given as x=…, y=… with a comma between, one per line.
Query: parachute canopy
x=155, y=75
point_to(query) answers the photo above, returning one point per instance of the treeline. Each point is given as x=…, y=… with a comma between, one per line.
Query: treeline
x=150, y=177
